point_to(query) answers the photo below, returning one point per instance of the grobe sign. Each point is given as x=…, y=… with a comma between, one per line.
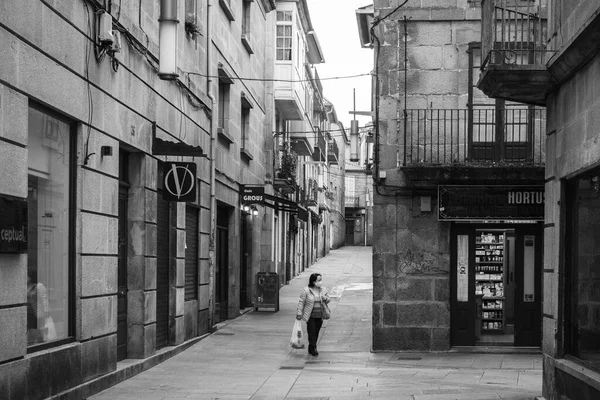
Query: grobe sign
x=13, y=225
x=179, y=181
x=456, y=203
x=252, y=195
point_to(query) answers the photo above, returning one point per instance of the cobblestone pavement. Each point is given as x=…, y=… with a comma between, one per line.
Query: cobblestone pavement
x=250, y=358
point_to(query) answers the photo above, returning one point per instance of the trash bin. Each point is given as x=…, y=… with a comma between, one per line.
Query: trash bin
x=267, y=291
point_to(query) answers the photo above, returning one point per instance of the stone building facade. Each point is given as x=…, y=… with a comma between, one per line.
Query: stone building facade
x=455, y=261
x=97, y=263
x=563, y=77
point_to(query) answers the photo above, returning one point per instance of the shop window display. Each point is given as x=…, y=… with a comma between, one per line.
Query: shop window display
x=48, y=272
x=583, y=269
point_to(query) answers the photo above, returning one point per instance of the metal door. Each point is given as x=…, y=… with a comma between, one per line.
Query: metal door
x=122, y=276
x=222, y=267
x=162, y=272
x=462, y=287
x=528, y=292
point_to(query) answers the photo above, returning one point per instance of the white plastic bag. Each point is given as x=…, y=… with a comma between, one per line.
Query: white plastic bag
x=297, y=338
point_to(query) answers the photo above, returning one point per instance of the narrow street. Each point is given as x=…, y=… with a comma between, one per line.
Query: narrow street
x=250, y=358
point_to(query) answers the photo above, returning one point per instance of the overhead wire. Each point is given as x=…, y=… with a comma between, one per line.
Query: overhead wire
x=277, y=80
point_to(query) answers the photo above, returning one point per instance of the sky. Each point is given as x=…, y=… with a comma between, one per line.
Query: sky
x=334, y=21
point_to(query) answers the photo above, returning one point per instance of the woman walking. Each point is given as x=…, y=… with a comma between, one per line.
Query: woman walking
x=310, y=310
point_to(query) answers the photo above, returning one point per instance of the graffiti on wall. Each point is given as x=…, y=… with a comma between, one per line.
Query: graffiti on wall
x=410, y=263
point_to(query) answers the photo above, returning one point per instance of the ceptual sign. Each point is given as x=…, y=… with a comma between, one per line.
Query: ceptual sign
x=13, y=225
x=179, y=181
x=253, y=195
x=457, y=203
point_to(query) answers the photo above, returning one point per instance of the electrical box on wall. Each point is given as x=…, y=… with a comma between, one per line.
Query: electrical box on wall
x=116, y=44
x=105, y=30
x=425, y=203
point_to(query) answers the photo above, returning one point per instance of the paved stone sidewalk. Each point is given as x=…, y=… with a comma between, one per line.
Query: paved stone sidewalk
x=249, y=357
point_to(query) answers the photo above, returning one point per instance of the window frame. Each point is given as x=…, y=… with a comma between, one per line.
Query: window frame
x=285, y=23
x=72, y=226
x=570, y=275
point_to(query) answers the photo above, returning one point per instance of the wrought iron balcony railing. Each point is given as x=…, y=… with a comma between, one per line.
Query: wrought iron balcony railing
x=319, y=153
x=487, y=136
x=333, y=153
x=312, y=193
x=514, y=32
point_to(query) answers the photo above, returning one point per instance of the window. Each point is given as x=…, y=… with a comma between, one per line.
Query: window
x=245, y=125
x=284, y=36
x=246, y=17
x=582, y=270
x=499, y=128
x=50, y=227
x=246, y=29
x=223, y=104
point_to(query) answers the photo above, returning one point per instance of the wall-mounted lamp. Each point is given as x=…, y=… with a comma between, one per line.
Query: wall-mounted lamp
x=254, y=211
x=106, y=151
x=167, y=33
x=354, y=145
x=246, y=208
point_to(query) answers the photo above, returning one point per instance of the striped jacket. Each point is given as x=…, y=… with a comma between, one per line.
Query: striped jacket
x=307, y=301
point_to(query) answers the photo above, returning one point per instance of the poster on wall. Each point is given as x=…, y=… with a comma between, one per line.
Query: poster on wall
x=13, y=225
x=462, y=268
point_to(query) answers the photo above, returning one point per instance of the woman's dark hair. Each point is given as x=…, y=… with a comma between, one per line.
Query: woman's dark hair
x=313, y=278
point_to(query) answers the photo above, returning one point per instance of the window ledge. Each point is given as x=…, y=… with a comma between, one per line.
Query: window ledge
x=246, y=155
x=227, y=9
x=246, y=43
x=580, y=372
x=224, y=135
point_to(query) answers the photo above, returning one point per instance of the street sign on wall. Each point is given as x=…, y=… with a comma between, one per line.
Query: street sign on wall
x=252, y=195
x=179, y=181
x=478, y=203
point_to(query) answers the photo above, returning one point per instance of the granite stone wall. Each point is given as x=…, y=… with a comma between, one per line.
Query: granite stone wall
x=411, y=254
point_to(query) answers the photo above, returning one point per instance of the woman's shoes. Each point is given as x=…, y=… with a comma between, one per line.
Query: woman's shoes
x=313, y=352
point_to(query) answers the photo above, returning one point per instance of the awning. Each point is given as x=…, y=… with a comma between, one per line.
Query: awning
x=281, y=204
x=302, y=214
x=162, y=147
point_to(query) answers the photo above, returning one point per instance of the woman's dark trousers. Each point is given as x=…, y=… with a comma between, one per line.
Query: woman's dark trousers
x=313, y=326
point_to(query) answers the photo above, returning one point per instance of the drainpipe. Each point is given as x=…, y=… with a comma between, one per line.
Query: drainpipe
x=213, y=150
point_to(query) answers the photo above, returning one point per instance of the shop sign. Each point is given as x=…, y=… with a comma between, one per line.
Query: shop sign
x=13, y=225
x=179, y=182
x=253, y=195
x=477, y=203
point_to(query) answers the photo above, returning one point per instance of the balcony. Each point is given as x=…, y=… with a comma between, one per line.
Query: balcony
x=290, y=93
x=333, y=152
x=354, y=201
x=285, y=171
x=302, y=138
x=322, y=201
x=513, y=44
x=312, y=193
x=483, y=144
x=320, y=147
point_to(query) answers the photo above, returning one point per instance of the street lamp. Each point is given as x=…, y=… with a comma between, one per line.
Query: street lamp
x=167, y=69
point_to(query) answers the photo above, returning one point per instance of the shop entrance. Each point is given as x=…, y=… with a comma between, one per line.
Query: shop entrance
x=222, y=267
x=496, y=284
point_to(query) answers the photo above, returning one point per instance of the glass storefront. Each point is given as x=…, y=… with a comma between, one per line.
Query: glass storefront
x=48, y=272
x=583, y=269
